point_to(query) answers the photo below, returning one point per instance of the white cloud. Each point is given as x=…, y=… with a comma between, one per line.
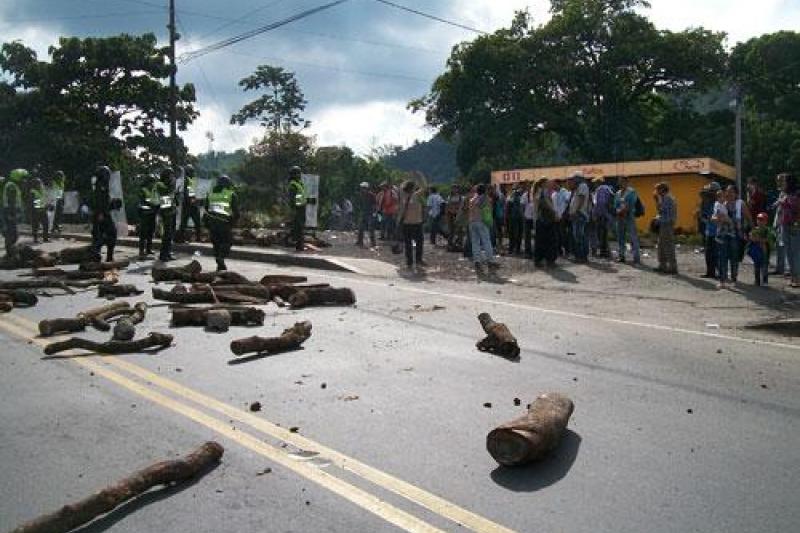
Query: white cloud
x=227, y=137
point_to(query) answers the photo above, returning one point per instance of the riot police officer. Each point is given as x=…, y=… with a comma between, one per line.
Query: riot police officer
x=297, y=202
x=59, y=184
x=12, y=206
x=222, y=212
x=149, y=202
x=166, y=194
x=38, y=206
x=104, y=232
x=191, y=205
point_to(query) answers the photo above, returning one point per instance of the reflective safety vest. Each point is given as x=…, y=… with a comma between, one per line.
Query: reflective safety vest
x=37, y=195
x=58, y=189
x=220, y=203
x=150, y=199
x=191, y=187
x=299, y=191
x=11, y=186
x=165, y=201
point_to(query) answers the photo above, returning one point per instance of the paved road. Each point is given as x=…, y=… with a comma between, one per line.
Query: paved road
x=674, y=430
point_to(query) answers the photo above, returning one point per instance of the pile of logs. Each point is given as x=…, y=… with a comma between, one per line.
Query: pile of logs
x=267, y=239
x=199, y=317
x=100, y=318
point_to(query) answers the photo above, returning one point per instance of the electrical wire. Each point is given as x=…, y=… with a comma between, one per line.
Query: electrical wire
x=243, y=18
x=432, y=17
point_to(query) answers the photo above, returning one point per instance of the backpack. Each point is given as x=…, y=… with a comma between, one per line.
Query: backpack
x=638, y=211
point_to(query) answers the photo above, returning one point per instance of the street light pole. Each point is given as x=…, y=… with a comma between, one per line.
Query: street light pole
x=739, y=117
x=173, y=88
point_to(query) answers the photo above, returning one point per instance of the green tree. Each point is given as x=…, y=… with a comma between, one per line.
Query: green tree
x=281, y=105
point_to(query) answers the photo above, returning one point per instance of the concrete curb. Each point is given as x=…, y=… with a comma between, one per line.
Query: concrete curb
x=245, y=254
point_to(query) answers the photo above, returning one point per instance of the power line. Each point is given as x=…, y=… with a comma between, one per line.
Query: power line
x=432, y=17
x=244, y=17
x=257, y=31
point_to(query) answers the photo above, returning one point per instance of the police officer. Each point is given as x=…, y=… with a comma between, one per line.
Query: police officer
x=149, y=202
x=38, y=208
x=297, y=202
x=59, y=185
x=12, y=206
x=166, y=194
x=222, y=212
x=104, y=232
x=191, y=205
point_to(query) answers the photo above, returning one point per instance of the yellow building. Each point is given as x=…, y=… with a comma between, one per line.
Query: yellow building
x=686, y=177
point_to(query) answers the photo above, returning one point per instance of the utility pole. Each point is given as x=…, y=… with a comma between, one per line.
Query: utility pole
x=173, y=88
x=739, y=102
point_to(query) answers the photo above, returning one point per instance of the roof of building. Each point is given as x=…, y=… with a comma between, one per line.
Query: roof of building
x=705, y=166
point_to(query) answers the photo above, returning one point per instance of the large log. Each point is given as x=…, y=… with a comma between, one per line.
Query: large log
x=253, y=289
x=291, y=339
x=66, y=274
x=207, y=296
x=499, y=339
x=135, y=315
x=55, y=326
x=43, y=283
x=118, y=291
x=183, y=273
x=325, y=296
x=75, y=255
x=170, y=472
x=285, y=291
x=6, y=306
x=272, y=279
x=91, y=266
x=153, y=340
x=532, y=436
x=240, y=316
x=20, y=297
x=93, y=312
x=222, y=277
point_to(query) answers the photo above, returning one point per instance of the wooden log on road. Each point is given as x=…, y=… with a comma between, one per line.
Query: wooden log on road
x=20, y=297
x=43, y=283
x=285, y=291
x=325, y=296
x=254, y=290
x=75, y=255
x=183, y=273
x=291, y=339
x=499, y=339
x=276, y=279
x=169, y=472
x=104, y=266
x=66, y=274
x=532, y=436
x=135, y=315
x=93, y=312
x=55, y=326
x=153, y=340
x=222, y=277
x=120, y=291
x=240, y=316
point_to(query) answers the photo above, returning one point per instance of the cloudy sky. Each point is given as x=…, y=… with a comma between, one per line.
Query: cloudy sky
x=358, y=63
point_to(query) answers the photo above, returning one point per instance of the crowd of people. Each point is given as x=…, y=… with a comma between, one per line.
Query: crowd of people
x=577, y=219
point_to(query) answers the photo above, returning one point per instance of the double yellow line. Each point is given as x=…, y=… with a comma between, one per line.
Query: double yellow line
x=180, y=399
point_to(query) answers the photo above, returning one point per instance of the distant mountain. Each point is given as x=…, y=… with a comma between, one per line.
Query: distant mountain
x=435, y=158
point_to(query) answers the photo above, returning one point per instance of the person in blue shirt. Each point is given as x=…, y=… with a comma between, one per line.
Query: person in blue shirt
x=625, y=207
x=708, y=228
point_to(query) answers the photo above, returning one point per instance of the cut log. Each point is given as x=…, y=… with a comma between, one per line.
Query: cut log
x=101, y=320
x=55, y=326
x=285, y=291
x=327, y=296
x=240, y=316
x=532, y=436
x=118, y=291
x=183, y=273
x=20, y=297
x=6, y=306
x=66, y=274
x=75, y=255
x=170, y=472
x=93, y=312
x=124, y=330
x=182, y=296
x=44, y=283
x=290, y=339
x=282, y=280
x=104, y=266
x=499, y=339
x=154, y=340
x=254, y=290
x=218, y=320
x=88, y=283
x=222, y=277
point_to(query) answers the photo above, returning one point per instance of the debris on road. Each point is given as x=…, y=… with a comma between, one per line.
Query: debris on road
x=153, y=340
x=121, y=291
x=324, y=296
x=25, y=256
x=488, y=405
x=124, y=330
x=218, y=320
x=171, y=472
x=19, y=297
x=205, y=295
x=41, y=283
x=199, y=317
x=136, y=314
x=183, y=273
x=285, y=291
x=55, y=326
x=533, y=435
x=291, y=339
x=102, y=266
x=499, y=339
x=273, y=279
x=255, y=407
x=350, y=398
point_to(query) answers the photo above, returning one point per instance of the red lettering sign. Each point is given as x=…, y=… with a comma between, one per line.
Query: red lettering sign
x=690, y=165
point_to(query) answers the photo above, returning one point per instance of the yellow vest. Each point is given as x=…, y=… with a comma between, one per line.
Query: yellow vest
x=220, y=203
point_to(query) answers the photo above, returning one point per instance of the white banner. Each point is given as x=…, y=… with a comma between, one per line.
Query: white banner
x=311, y=183
x=118, y=216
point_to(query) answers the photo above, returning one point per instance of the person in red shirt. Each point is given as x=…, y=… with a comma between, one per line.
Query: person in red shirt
x=756, y=199
x=387, y=200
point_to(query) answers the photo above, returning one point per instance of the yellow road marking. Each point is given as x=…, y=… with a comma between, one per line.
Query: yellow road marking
x=402, y=488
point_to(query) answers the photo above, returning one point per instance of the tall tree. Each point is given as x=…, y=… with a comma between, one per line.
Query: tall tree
x=281, y=105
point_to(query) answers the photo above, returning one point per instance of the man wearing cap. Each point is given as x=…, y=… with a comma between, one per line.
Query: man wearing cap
x=12, y=205
x=191, y=205
x=222, y=212
x=297, y=203
x=366, y=214
x=709, y=228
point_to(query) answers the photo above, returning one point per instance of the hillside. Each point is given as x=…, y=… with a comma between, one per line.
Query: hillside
x=435, y=158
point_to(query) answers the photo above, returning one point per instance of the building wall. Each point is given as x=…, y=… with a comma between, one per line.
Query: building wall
x=684, y=187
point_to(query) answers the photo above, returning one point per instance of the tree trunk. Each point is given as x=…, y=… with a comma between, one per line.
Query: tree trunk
x=183, y=273
x=154, y=340
x=241, y=316
x=499, y=339
x=282, y=280
x=66, y=274
x=118, y=291
x=286, y=291
x=103, y=266
x=20, y=297
x=254, y=290
x=75, y=255
x=135, y=315
x=55, y=326
x=290, y=339
x=76, y=514
x=45, y=283
x=93, y=312
x=530, y=437
x=326, y=296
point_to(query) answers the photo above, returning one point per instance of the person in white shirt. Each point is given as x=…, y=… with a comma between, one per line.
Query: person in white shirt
x=435, y=212
x=529, y=213
x=561, y=198
x=579, y=216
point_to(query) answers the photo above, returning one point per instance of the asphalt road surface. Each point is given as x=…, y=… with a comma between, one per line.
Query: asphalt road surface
x=380, y=422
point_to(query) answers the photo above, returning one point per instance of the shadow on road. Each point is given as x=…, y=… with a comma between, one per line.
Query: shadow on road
x=559, y=273
x=541, y=474
x=120, y=513
x=262, y=355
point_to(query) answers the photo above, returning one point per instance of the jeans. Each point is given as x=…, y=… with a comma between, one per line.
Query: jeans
x=412, y=233
x=436, y=228
x=601, y=226
x=793, y=253
x=104, y=232
x=515, y=228
x=367, y=223
x=546, y=241
x=481, y=242
x=167, y=238
x=727, y=254
x=711, y=256
x=580, y=246
x=388, y=227
x=628, y=226
x=528, y=234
